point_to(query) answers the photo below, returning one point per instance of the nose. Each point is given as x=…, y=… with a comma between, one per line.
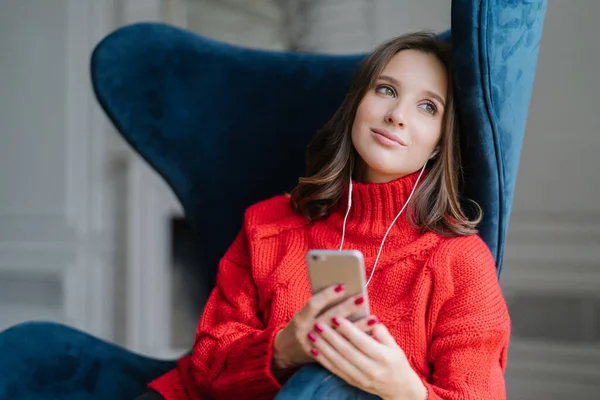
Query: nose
x=396, y=115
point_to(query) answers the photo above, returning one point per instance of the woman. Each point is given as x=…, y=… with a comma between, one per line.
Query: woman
x=382, y=177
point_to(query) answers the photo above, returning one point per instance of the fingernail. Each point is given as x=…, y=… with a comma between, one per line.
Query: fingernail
x=373, y=321
x=314, y=352
x=359, y=301
x=339, y=288
x=318, y=328
x=311, y=336
x=335, y=321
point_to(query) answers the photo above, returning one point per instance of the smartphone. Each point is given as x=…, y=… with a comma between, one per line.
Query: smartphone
x=330, y=267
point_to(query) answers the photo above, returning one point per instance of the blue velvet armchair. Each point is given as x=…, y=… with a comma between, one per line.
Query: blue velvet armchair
x=208, y=117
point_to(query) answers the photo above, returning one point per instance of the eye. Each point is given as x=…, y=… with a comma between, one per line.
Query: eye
x=429, y=108
x=385, y=90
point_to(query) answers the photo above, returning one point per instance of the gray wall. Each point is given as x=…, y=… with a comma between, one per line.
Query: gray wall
x=57, y=247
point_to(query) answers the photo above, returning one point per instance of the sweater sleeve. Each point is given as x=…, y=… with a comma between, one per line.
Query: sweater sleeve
x=470, y=338
x=232, y=352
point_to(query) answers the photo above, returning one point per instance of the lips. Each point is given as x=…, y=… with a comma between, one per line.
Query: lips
x=389, y=135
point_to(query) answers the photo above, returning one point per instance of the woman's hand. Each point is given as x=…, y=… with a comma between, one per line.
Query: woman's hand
x=293, y=344
x=375, y=364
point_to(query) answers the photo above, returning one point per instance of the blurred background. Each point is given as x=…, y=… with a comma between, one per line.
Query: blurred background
x=91, y=237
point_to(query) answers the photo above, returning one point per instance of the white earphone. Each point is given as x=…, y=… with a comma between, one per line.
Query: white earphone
x=391, y=225
x=435, y=153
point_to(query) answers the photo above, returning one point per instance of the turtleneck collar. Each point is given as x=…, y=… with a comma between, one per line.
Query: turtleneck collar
x=374, y=207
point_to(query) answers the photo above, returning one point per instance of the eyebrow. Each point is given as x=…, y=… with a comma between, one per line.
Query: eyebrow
x=427, y=92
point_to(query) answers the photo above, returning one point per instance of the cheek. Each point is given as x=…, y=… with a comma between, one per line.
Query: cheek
x=368, y=109
x=427, y=133
x=361, y=119
x=367, y=115
x=361, y=116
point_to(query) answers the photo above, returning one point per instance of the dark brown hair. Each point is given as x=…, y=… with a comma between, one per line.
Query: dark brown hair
x=331, y=157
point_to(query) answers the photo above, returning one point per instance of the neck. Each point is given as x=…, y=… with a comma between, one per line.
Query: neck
x=374, y=208
x=365, y=174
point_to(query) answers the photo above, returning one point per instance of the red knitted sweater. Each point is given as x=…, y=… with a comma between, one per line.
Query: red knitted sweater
x=438, y=296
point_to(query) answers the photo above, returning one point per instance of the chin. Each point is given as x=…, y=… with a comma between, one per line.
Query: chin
x=377, y=165
x=380, y=160
x=377, y=168
x=383, y=162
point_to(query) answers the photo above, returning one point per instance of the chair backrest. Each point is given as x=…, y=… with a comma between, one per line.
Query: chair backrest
x=227, y=126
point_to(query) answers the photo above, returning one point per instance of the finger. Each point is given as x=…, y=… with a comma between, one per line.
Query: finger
x=344, y=309
x=330, y=366
x=329, y=337
x=365, y=324
x=337, y=363
x=359, y=340
x=322, y=299
x=381, y=334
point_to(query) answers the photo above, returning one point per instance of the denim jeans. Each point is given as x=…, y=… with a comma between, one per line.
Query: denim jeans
x=314, y=382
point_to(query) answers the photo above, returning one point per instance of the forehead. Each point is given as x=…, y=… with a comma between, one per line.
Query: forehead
x=416, y=68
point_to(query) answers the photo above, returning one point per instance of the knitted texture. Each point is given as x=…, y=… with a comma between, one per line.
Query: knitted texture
x=438, y=296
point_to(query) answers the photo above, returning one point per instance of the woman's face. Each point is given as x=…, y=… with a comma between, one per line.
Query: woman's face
x=398, y=123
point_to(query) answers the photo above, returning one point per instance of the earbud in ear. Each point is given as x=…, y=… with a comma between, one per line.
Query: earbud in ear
x=435, y=153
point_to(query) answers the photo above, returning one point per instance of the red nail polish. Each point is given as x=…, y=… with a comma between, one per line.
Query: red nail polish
x=335, y=321
x=373, y=321
x=339, y=288
x=318, y=328
x=314, y=352
x=311, y=336
x=359, y=301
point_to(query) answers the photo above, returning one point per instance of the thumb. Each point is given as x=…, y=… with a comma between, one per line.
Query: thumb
x=381, y=334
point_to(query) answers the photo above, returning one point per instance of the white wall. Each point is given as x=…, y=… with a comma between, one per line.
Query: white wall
x=553, y=253
x=560, y=152
x=348, y=26
x=33, y=112
x=250, y=24
x=56, y=253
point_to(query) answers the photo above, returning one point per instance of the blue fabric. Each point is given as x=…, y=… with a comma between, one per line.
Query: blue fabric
x=226, y=126
x=495, y=49
x=315, y=383
x=50, y=361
